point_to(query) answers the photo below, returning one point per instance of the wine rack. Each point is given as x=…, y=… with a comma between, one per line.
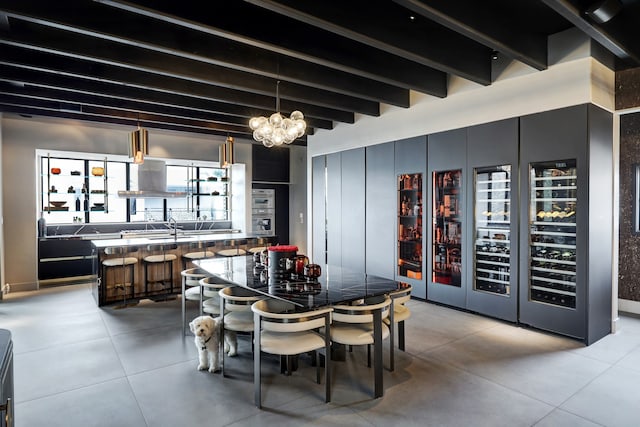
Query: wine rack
x=492, y=230
x=410, y=225
x=447, y=227
x=552, y=235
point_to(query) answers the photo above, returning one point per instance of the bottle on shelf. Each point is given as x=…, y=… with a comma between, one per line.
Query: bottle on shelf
x=77, y=204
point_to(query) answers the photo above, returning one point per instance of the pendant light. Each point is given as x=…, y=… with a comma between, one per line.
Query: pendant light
x=277, y=129
x=227, y=155
x=139, y=145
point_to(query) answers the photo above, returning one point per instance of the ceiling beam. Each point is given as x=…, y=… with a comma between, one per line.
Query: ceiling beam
x=81, y=75
x=269, y=31
x=95, y=20
x=619, y=46
x=387, y=26
x=480, y=23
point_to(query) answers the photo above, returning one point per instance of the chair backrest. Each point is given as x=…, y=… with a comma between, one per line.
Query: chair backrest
x=192, y=276
x=120, y=250
x=212, y=283
x=161, y=247
x=280, y=316
x=237, y=298
x=402, y=295
x=363, y=312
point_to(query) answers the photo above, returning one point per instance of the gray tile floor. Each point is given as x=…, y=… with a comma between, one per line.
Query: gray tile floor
x=80, y=365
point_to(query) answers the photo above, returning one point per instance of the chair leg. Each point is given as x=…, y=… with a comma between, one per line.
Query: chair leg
x=368, y=355
x=401, y=335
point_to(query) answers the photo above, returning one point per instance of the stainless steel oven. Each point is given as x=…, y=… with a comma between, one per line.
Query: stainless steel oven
x=263, y=211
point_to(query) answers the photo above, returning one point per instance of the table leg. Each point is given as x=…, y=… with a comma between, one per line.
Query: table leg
x=256, y=360
x=377, y=353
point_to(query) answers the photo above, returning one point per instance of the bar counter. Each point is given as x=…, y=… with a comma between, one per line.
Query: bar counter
x=104, y=291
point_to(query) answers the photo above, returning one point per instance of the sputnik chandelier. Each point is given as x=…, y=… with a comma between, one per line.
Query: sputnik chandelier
x=277, y=129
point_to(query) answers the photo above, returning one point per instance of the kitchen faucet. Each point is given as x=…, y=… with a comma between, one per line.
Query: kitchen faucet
x=175, y=228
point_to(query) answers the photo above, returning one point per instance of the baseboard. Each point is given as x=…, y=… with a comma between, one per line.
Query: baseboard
x=629, y=306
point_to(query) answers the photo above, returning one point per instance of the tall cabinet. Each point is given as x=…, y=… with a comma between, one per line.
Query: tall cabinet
x=410, y=204
x=565, y=221
x=447, y=164
x=492, y=222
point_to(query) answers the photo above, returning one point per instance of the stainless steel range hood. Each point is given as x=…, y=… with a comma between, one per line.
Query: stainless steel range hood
x=152, y=182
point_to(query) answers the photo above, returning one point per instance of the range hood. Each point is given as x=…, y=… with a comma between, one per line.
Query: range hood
x=152, y=182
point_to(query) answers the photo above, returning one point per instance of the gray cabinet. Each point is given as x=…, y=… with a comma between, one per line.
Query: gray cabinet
x=334, y=209
x=318, y=210
x=447, y=160
x=410, y=161
x=492, y=226
x=566, y=222
x=352, y=204
x=380, y=216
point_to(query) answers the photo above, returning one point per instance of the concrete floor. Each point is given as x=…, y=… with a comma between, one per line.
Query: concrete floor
x=80, y=365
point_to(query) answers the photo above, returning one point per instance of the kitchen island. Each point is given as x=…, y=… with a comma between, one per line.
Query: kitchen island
x=178, y=244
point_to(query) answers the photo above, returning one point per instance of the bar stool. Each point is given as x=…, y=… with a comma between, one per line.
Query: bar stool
x=159, y=257
x=191, y=290
x=197, y=250
x=121, y=262
x=234, y=247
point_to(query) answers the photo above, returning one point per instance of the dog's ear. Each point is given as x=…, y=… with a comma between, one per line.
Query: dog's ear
x=192, y=326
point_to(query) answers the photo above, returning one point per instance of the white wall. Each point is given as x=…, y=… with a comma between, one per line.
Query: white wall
x=298, y=198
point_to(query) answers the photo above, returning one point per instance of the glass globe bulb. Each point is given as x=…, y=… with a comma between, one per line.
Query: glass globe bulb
x=278, y=136
x=297, y=115
x=287, y=123
x=255, y=122
x=267, y=143
x=276, y=119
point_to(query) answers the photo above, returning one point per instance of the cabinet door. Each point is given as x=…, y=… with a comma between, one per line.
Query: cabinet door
x=554, y=151
x=353, y=209
x=492, y=152
x=318, y=200
x=334, y=209
x=380, y=218
x=447, y=266
x=411, y=159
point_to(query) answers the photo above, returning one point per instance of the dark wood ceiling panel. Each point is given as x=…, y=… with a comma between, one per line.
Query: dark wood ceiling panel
x=270, y=31
x=489, y=26
x=208, y=66
x=389, y=27
x=100, y=21
x=123, y=82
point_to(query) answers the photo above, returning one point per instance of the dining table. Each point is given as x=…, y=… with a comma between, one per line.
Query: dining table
x=336, y=285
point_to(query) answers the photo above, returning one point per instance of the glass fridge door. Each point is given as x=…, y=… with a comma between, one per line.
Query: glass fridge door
x=492, y=230
x=552, y=233
x=410, y=225
x=447, y=228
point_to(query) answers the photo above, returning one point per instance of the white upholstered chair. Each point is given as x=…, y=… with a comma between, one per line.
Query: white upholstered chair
x=281, y=330
x=399, y=314
x=358, y=324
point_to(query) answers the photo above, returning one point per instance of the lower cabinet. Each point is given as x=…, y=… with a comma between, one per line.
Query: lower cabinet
x=64, y=259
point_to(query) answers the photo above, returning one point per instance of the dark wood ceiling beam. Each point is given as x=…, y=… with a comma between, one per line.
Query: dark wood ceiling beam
x=27, y=112
x=384, y=25
x=68, y=44
x=327, y=49
x=620, y=46
x=82, y=100
x=95, y=20
x=76, y=74
x=478, y=22
x=37, y=85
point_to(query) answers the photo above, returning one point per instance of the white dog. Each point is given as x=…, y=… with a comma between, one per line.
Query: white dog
x=207, y=339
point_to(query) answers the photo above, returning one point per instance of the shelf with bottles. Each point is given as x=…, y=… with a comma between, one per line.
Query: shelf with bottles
x=492, y=225
x=447, y=227
x=410, y=225
x=552, y=233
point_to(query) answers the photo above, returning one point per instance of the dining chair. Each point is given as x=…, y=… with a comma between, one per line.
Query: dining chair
x=283, y=331
x=191, y=291
x=398, y=315
x=121, y=261
x=362, y=324
x=235, y=303
x=210, y=295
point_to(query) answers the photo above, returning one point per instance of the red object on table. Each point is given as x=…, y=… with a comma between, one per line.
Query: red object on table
x=283, y=248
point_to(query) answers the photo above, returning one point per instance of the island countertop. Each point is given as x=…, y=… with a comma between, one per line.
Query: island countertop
x=181, y=238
